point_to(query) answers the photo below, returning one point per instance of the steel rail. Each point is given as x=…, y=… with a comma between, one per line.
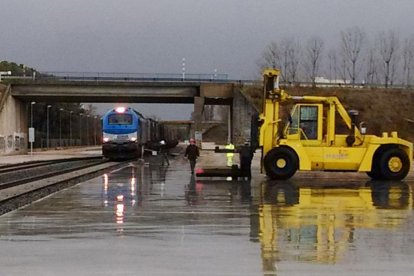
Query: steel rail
x=33, y=164
x=36, y=177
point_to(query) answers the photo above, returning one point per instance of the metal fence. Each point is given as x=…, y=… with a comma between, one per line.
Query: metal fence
x=113, y=76
x=159, y=77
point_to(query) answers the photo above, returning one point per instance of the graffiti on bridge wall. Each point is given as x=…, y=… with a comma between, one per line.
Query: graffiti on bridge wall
x=2, y=144
x=12, y=143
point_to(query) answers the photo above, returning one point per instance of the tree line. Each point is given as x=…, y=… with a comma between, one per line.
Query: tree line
x=20, y=70
x=64, y=124
x=385, y=58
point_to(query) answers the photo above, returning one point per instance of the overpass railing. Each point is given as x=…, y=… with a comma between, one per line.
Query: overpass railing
x=113, y=76
x=159, y=77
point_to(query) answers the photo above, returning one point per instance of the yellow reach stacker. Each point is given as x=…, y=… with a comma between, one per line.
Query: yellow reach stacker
x=309, y=138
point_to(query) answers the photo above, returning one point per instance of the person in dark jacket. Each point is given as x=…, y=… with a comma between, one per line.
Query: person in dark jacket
x=192, y=153
x=164, y=153
x=246, y=156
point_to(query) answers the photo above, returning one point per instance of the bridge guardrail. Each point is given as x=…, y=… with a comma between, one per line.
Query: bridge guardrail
x=175, y=77
x=113, y=76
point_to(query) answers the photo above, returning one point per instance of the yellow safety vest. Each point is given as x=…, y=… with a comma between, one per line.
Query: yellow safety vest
x=230, y=147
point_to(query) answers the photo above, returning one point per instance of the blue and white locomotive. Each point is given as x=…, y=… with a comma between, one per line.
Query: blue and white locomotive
x=125, y=132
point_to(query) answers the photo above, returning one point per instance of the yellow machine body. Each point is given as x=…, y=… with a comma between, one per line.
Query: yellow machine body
x=309, y=138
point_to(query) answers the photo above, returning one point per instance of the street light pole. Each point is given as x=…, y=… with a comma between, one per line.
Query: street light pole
x=87, y=130
x=70, y=128
x=94, y=129
x=31, y=130
x=80, y=129
x=31, y=113
x=47, y=126
x=183, y=69
x=60, y=127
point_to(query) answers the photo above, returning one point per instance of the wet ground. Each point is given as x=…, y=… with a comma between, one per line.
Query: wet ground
x=146, y=219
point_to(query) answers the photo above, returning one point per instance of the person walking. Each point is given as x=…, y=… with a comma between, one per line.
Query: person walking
x=164, y=153
x=192, y=153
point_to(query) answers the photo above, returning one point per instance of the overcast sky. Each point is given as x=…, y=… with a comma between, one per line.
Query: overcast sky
x=152, y=36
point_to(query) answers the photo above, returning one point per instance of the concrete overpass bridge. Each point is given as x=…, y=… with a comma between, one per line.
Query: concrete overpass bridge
x=16, y=96
x=127, y=92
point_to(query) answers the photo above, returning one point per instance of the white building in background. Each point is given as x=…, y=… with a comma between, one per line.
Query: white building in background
x=323, y=80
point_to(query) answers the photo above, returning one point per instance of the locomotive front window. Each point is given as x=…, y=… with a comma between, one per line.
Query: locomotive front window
x=120, y=119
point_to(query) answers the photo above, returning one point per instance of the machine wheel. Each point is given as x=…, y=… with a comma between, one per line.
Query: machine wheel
x=394, y=164
x=281, y=163
x=375, y=172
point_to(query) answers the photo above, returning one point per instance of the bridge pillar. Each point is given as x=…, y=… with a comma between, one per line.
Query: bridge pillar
x=13, y=124
x=198, y=117
x=241, y=118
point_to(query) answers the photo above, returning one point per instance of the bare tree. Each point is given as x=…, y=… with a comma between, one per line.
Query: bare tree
x=271, y=56
x=332, y=57
x=276, y=56
x=388, y=46
x=343, y=68
x=408, y=58
x=354, y=60
x=352, y=42
x=284, y=56
x=372, y=67
x=394, y=69
x=313, y=52
x=294, y=57
x=285, y=46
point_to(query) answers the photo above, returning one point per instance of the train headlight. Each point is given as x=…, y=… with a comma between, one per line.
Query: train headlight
x=106, y=139
x=120, y=109
x=133, y=139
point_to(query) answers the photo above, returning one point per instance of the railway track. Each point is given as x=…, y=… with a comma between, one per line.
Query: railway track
x=24, y=173
x=39, y=163
x=21, y=184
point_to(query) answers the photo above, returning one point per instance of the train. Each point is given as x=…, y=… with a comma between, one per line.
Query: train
x=126, y=132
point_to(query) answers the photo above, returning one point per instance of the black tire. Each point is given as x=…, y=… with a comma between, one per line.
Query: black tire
x=281, y=163
x=375, y=172
x=394, y=164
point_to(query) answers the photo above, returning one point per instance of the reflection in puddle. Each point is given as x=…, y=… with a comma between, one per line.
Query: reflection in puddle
x=120, y=192
x=202, y=191
x=194, y=192
x=128, y=188
x=297, y=222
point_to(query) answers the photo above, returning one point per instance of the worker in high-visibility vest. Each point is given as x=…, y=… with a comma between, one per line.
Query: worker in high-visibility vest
x=230, y=155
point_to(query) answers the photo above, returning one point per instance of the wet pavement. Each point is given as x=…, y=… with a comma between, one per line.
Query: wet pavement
x=146, y=219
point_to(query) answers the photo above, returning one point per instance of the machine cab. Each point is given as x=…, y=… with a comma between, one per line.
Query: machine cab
x=305, y=123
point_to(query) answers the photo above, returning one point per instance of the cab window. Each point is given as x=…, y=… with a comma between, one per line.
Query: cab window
x=294, y=121
x=120, y=119
x=309, y=121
